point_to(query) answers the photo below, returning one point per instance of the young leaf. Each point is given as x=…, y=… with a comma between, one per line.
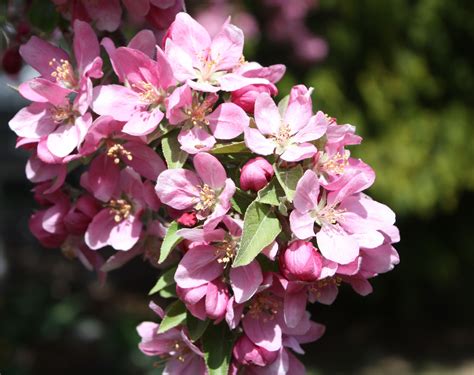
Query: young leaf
x=175, y=315
x=196, y=327
x=283, y=105
x=169, y=242
x=165, y=280
x=174, y=156
x=261, y=227
x=288, y=178
x=241, y=200
x=269, y=194
x=230, y=148
x=168, y=291
x=217, y=344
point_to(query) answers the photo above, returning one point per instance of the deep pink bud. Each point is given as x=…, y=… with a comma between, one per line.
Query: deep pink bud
x=256, y=173
x=245, y=352
x=188, y=219
x=12, y=61
x=246, y=96
x=81, y=214
x=301, y=261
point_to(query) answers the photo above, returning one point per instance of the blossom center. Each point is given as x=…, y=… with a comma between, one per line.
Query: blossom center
x=63, y=73
x=283, y=135
x=316, y=287
x=337, y=163
x=225, y=250
x=329, y=215
x=62, y=115
x=120, y=209
x=148, y=93
x=264, y=306
x=116, y=151
x=207, y=198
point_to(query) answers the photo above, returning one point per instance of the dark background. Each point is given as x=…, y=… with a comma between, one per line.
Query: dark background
x=402, y=71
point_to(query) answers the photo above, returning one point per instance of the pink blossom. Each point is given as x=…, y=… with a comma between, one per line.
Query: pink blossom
x=288, y=134
x=174, y=345
x=348, y=220
x=140, y=102
x=197, y=119
x=118, y=224
x=301, y=261
x=245, y=97
x=245, y=352
x=208, y=191
x=255, y=174
x=38, y=172
x=205, y=63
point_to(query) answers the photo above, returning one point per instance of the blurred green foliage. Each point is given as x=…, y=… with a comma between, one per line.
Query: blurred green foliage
x=403, y=72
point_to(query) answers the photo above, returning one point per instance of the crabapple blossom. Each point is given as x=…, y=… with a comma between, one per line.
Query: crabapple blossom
x=255, y=174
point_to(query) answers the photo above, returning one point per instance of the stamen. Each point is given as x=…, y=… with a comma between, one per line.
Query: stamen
x=225, y=250
x=116, y=151
x=149, y=94
x=62, y=115
x=337, y=163
x=120, y=208
x=264, y=306
x=283, y=135
x=207, y=198
x=63, y=73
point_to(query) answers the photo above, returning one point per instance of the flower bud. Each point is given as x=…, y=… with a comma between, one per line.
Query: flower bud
x=246, y=353
x=246, y=96
x=255, y=174
x=12, y=61
x=301, y=261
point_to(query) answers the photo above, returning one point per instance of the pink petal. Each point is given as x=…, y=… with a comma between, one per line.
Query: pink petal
x=217, y=297
x=198, y=266
x=63, y=140
x=245, y=281
x=86, y=45
x=33, y=121
x=44, y=90
x=210, y=170
x=195, y=140
x=143, y=122
x=263, y=332
x=117, y=101
x=107, y=14
x=38, y=53
x=294, y=307
x=144, y=40
x=233, y=81
x=102, y=178
x=183, y=68
x=180, y=98
x=307, y=192
x=299, y=152
x=227, y=47
x=255, y=141
x=336, y=245
x=189, y=35
x=302, y=225
x=299, y=108
x=178, y=188
x=144, y=160
x=267, y=117
x=138, y=8
x=314, y=129
x=228, y=121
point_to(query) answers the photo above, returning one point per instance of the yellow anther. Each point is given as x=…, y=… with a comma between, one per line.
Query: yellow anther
x=63, y=73
x=120, y=208
x=116, y=151
x=207, y=198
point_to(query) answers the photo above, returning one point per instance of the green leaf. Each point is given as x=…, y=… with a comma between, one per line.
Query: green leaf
x=168, y=291
x=230, y=148
x=288, y=178
x=270, y=194
x=169, y=242
x=241, y=200
x=166, y=279
x=43, y=15
x=196, y=327
x=261, y=227
x=217, y=344
x=174, y=156
x=175, y=315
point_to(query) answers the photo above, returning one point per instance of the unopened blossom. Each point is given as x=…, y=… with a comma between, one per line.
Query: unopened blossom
x=255, y=174
x=206, y=191
x=200, y=124
x=301, y=261
x=205, y=63
x=289, y=134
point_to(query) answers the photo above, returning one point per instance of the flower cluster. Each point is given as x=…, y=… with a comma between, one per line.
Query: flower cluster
x=252, y=208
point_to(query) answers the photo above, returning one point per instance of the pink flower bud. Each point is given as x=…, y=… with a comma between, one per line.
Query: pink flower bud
x=301, y=261
x=188, y=219
x=256, y=173
x=245, y=352
x=246, y=96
